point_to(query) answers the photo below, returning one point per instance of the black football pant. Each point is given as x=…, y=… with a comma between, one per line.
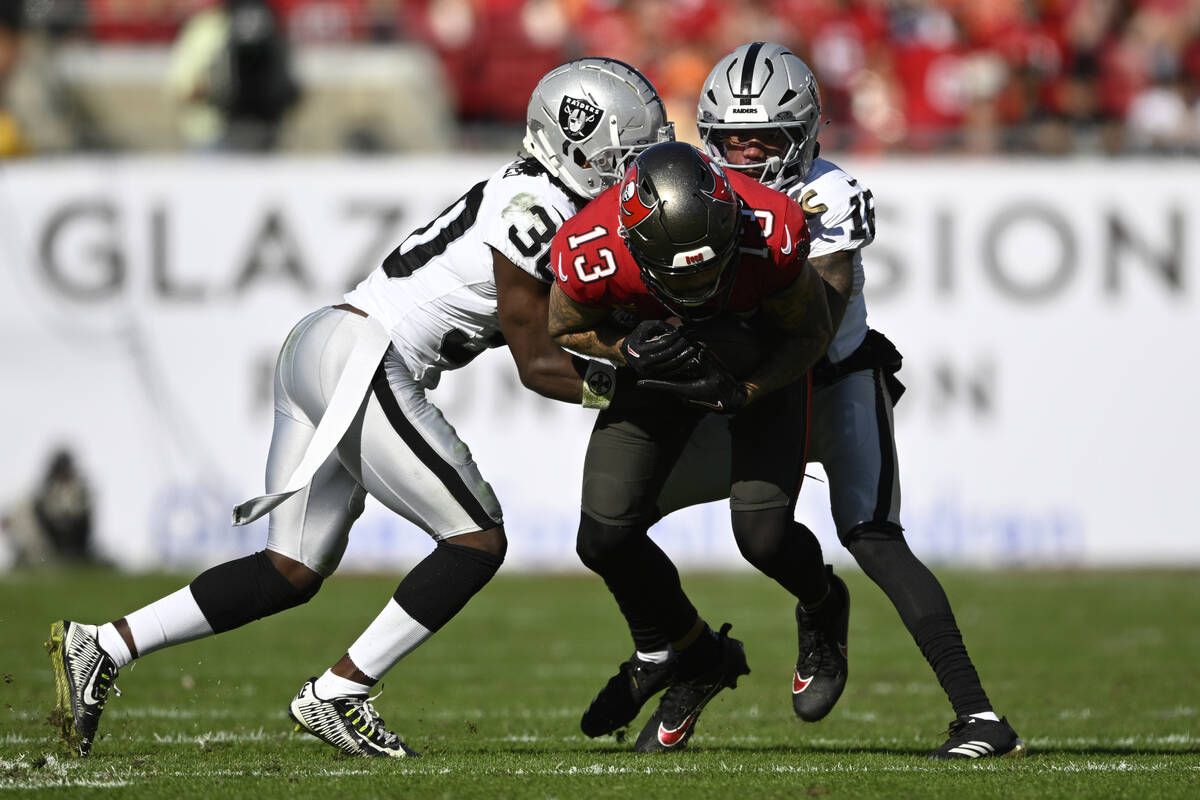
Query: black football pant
x=629, y=456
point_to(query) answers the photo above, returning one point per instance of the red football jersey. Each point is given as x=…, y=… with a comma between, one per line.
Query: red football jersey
x=595, y=268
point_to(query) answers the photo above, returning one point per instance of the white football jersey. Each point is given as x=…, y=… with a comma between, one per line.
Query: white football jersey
x=436, y=293
x=841, y=216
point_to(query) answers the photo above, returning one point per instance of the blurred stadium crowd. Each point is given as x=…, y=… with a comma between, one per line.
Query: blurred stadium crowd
x=916, y=76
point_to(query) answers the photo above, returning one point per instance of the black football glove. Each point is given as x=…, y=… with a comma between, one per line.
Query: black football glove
x=657, y=349
x=716, y=389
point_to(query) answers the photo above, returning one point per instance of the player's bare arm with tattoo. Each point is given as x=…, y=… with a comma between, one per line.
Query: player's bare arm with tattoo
x=583, y=329
x=799, y=315
x=837, y=270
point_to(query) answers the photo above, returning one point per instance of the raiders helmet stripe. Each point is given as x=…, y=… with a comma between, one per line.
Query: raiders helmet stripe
x=748, y=72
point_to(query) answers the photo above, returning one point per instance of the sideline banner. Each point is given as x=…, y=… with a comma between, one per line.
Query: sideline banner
x=1046, y=310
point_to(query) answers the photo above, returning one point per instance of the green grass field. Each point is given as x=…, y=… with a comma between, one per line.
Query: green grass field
x=1097, y=671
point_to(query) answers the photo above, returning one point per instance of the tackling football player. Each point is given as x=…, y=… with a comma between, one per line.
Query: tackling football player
x=352, y=417
x=682, y=238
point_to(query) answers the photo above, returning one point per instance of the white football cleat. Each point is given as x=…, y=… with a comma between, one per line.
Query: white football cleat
x=350, y=724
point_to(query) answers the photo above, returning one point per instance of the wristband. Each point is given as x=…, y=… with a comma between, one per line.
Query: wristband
x=599, y=385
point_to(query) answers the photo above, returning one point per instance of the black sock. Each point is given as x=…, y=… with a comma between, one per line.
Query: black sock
x=822, y=612
x=941, y=643
x=699, y=655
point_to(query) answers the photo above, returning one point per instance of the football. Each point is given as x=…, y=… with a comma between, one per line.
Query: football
x=735, y=344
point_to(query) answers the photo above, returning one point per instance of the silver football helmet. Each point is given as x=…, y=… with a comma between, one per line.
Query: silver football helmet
x=762, y=86
x=588, y=118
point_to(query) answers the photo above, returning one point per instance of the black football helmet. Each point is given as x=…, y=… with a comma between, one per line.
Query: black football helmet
x=681, y=220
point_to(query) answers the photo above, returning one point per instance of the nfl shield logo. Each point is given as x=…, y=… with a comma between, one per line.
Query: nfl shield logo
x=578, y=118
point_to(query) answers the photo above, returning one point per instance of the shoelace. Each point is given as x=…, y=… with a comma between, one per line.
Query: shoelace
x=104, y=683
x=370, y=723
x=700, y=685
x=645, y=673
x=819, y=656
x=957, y=726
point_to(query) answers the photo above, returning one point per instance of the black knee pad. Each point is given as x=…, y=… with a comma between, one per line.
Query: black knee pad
x=245, y=589
x=437, y=588
x=873, y=532
x=600, y=545
x=880, y=549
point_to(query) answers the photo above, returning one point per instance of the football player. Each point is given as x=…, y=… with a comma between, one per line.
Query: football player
x=352, y=417
x=681, y=237
x=759, y=115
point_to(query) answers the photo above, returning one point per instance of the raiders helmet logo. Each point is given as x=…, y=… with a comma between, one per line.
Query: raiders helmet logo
x=578, y=118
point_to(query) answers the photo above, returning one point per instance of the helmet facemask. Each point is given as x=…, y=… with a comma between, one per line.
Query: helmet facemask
x=762, y=86
x=789, y=163
x=678, y=285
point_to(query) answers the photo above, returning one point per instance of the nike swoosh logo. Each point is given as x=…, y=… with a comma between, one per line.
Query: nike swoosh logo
x=800, y=684
x=562, y=275
x=88, y=695
x=844, y=649
x=670, y=738
x=787, y=248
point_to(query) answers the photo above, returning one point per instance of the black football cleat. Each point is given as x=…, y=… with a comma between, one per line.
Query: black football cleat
x=971, y=737
x=822, y=666
x=674, y=721
x=618, y=703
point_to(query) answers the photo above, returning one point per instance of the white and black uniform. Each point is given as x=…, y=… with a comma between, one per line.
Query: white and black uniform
x=435, y=295
x=851, y=423
x=852, y=433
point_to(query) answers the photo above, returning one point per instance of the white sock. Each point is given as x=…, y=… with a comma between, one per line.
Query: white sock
x=390, y=637
x=329, y=686
x=174, y=619
x=656, y=656
x=113, y=643
x=990, y=716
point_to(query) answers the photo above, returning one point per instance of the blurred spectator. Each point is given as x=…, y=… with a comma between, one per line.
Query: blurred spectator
x=936, y=76
x=1159, y=120
x=12, y=19
x=231, y=75
x=54, y=523
x=135, y=20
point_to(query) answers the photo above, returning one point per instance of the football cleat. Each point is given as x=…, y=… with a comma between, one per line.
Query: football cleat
x=619, y=702
x=971, y=737
x=674, y=721
x=83, y=676
x=821, y=669
x=350, y=724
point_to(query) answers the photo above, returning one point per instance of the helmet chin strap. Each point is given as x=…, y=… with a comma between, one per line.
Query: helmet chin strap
x=614, y=131
x=537, y=143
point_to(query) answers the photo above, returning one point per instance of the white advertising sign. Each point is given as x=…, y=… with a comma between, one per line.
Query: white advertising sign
x=1047, y=312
